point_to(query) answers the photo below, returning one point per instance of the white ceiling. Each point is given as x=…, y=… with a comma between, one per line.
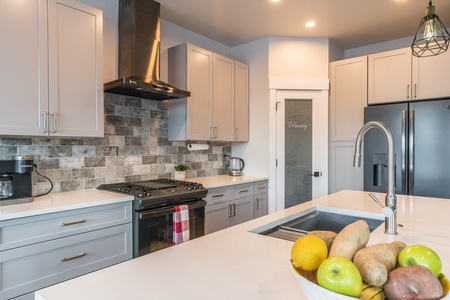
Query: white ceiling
x=349, y=23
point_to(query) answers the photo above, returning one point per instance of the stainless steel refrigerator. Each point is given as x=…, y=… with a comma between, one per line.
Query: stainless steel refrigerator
x=421, y=132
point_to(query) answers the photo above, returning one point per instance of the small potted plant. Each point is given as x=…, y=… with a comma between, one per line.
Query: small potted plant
x=180, y=172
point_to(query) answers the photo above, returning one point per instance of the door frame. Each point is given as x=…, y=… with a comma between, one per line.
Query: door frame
x=318, y=87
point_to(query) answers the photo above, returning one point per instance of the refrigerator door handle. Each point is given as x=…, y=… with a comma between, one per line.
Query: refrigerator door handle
x=411, y=153
x=404, y=156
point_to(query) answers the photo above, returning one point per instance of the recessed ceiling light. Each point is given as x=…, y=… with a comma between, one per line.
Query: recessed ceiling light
x=275, y=0
x=310, y=24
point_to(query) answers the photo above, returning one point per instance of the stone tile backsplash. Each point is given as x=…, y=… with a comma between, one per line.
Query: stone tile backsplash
x=135, y=147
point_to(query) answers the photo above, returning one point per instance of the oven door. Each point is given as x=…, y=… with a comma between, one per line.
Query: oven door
x=153, y=229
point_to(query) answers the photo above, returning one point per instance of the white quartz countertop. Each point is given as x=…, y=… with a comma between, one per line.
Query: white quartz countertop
x=60, y=202
x=86, y=198
x=237, y=263
x=226, y=180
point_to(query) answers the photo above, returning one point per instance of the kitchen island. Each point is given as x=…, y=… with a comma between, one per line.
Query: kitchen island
x=238, y=263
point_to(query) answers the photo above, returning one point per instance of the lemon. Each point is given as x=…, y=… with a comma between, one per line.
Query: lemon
x=308, y=253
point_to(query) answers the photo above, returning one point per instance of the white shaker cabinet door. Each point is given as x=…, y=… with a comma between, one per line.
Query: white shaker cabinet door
x=429, y=76
x=241, y=102
x=223, y=98
x=389, y=76
x=199, y=83
x=75, y=69
x=23, y=61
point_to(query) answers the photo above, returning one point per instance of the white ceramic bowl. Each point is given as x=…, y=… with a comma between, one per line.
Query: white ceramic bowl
x=314, y=292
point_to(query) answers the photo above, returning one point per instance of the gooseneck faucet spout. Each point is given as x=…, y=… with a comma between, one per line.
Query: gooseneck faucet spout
x=390, y=224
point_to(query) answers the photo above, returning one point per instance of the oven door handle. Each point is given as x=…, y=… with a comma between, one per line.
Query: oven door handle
x=168, y=210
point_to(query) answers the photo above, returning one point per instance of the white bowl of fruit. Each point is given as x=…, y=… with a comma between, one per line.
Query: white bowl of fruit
x=331, y=265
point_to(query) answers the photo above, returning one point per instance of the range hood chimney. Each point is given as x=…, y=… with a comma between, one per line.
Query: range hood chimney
x=139, y=53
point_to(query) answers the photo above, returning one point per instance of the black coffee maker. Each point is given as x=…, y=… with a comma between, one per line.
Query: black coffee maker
x=15, y=180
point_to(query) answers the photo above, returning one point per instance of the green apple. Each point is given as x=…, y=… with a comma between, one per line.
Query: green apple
x=419, y=255
x=340, y=275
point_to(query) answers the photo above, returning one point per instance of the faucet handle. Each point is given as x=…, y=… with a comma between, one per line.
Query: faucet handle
x=386, y=211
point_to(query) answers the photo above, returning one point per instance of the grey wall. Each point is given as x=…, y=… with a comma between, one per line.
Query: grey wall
x=135, y=147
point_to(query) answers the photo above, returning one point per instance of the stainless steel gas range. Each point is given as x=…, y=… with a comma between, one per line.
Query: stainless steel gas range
x=153, y=207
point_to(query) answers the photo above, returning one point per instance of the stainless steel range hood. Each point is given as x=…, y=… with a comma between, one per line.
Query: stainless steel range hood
x=139, y=53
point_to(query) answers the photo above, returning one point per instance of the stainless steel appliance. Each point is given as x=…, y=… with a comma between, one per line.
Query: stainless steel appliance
x=139, y=53
x=421, y=132
x=234, y=166
x=15, y=180
x=153, y=207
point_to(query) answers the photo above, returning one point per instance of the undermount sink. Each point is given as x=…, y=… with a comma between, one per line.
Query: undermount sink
x=317, y=220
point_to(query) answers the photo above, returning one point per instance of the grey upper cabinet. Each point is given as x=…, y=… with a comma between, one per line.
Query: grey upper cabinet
x=210, y=112
x=52, y=68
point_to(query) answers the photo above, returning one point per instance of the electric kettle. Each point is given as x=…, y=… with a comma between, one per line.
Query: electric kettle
x=234, y=166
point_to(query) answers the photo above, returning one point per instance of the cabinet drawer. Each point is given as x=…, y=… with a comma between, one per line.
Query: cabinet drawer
x=261, y=187
x=30, y=230
x=218, y=195
x=30, y=268
x=243, y=190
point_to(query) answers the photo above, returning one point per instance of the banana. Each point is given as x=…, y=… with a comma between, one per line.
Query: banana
x=445, y=283
x=370, y=292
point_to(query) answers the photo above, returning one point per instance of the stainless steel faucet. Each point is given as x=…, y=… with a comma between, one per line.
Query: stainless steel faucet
x=390, y=224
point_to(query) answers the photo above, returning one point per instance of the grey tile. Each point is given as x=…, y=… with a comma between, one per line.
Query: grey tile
x=94, y=162
x=16, y=141
x=83, y=173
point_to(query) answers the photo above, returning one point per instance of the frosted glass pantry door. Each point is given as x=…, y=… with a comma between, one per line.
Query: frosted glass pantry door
x=301, y=146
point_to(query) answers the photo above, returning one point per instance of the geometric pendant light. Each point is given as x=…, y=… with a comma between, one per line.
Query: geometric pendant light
x=432, y=38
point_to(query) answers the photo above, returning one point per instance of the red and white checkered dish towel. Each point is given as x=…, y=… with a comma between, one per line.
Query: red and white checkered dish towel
x=180, y=224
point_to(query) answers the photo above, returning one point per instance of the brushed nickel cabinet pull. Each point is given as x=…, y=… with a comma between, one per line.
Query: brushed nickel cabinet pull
x=64, y=259
x=243, y=191
x=261, y=188
x=55, y=125
x=218, y=195
x=257, y=203
x=73, y=223
x=44, y=121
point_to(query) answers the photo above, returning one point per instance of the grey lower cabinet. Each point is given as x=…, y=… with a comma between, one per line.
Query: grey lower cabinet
x=38, y=251
x=261, y=199
x=235, y=204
